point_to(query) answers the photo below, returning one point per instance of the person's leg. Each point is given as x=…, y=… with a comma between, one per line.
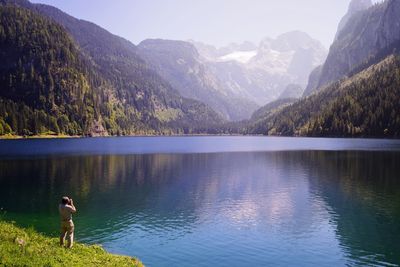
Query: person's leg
x=71, y=235
x=62, y=235
x=70, y=239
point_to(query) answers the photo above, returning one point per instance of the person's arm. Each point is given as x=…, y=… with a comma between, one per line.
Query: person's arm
x=71, y=206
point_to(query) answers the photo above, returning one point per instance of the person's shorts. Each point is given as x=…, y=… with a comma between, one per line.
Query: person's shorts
x=67, y=227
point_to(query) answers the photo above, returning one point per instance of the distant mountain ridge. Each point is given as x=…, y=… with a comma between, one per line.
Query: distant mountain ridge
x=235, y=80
x=261, y=73
x=179, y=63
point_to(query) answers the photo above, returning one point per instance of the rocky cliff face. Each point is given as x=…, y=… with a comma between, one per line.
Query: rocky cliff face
x=313, y=81
x=354, y=7
x=369, y=36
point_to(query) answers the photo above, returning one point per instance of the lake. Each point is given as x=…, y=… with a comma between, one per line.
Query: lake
x=214, y=201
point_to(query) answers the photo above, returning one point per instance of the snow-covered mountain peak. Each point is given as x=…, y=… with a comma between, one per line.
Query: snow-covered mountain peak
x=261, y=73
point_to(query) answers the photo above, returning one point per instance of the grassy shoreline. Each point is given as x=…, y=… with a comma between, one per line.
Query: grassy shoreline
x=26, y=247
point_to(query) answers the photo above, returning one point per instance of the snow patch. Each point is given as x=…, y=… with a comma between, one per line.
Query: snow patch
x=239, y=56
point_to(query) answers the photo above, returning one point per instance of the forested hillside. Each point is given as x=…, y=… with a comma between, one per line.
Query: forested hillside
x=45, y=85
x=50, y=83
x=365, y=105
x=257, y=123
x=136, y=84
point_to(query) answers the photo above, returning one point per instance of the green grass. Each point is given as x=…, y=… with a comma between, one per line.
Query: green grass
x=26, y=247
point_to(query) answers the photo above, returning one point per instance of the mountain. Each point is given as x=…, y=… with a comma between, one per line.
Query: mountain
x=354, y=7
x=42, y=77
x=69, y=76
x=261, y=73
x=358, y=89
x=180, y=64
x=292, y=91
x=212, y=53
x=364, y=105
x=313, y=80
x=368, y=37
x=236, y=79
x=294, y=53
x=256, y=124
x=272, y=108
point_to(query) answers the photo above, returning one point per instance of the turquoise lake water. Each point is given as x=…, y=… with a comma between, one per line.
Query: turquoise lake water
x=214, y=201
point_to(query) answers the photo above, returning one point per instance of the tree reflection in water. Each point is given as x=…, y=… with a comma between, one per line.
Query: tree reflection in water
x=172, y=195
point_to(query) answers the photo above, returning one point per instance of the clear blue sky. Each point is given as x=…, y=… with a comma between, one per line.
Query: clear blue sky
x=216, y=22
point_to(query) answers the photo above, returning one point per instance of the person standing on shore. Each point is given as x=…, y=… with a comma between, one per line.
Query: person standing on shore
x=66, y=208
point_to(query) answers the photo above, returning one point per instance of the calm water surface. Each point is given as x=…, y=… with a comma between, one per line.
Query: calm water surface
x=214, y=201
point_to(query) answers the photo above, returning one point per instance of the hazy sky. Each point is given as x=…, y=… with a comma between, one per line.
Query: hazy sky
x=216, y=22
